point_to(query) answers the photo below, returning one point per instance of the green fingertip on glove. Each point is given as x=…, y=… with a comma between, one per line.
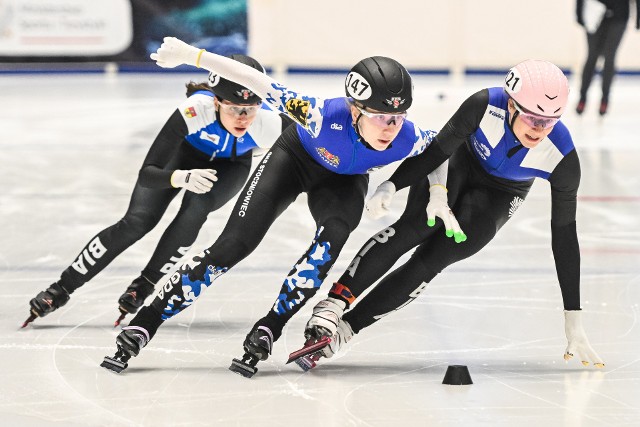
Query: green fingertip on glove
x=459, y=237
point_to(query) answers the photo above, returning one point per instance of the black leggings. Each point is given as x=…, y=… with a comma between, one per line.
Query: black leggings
x=335, y=202
x=481, y=210
x=603, y=43
x=146, y=208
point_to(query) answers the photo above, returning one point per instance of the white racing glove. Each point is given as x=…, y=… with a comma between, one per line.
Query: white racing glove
x=578, y=342
x=174, y=52
x=198, y=181
x=343, y=335
x=439, y=207
x=325, y=318
x=378, y=205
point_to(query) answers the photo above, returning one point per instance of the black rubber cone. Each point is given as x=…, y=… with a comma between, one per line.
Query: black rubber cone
x=457, y=375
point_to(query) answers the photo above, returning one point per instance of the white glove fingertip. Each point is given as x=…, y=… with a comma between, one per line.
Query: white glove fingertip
x=205, y=184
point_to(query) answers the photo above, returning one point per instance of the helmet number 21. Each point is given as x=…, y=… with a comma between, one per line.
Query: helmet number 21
x=511, y=81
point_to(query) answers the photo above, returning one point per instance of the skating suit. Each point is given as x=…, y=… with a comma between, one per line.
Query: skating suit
x=489, y=176
x=192, y=138
x=322, y=156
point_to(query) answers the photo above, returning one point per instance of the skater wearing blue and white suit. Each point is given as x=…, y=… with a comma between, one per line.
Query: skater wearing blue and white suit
x=327, y=155
x=206, y=148
x=498, y=142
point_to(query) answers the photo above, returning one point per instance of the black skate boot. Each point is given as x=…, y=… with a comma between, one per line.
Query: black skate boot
x=47, y=301
x=257, y=346
x=130, y=341
x=133, y=298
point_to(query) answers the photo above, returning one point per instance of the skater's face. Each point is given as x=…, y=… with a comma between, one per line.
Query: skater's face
x=528, y=130
x=378, y=128
x=236, y=118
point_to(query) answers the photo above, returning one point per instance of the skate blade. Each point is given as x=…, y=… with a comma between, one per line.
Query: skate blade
x=244, y=369
x=31, y=318
x=311, y=346
x=119, y=319
x=113, y=364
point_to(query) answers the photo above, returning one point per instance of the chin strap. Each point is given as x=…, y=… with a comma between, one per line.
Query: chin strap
x=518, y=147
x=360, y=137
x=235, y=140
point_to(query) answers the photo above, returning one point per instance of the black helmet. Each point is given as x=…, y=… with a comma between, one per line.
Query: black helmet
x=380, y=83
x=233, y=92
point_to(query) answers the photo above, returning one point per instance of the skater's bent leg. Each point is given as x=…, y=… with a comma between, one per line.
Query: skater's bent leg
x=262, y=200
x=334, y=226
x=145, y=211
x=383, y=249
x=377, y=256
x=481, y=213
x=307, y=275
x=395, y=291
x=183, y=230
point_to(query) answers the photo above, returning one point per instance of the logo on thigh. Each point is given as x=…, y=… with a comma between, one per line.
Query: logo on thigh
x=515, y=204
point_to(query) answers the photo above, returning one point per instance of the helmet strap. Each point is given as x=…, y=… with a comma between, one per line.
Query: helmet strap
x=513, y=119
x=217, y=110
x=357, y=129
x=360, y=137
x=510, y=124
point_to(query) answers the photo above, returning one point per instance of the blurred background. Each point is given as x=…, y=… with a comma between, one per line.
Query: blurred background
x=289, y=35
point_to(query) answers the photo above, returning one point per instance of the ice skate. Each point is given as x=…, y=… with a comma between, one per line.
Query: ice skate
x=313, y=349
x=325, y=318
x=133, y=298
x=310, y=353
x=257, y=346
x=130, y=341
x=47, y=301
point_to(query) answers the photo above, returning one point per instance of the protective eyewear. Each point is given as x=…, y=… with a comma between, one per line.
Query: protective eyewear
x=535, y=120
x=238, y=110
x=382, y=119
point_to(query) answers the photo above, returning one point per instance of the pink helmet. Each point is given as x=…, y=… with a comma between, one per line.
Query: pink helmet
x=538, y=86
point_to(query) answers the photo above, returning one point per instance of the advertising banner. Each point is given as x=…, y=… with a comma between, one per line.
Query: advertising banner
x=65, y=27
x=121, y=31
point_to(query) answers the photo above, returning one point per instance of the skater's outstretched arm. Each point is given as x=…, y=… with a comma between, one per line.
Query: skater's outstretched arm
x=304, y=110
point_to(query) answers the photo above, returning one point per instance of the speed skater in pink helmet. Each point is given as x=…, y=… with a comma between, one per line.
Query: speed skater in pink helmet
x=540, y=91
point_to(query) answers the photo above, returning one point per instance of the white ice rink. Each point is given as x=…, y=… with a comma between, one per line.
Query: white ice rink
x=70, y=150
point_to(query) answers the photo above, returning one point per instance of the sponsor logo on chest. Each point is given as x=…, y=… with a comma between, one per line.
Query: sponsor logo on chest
x=329, y=158
x=482, y=150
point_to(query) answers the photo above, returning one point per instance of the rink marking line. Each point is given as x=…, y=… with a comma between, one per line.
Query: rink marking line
x=567, y=408
x=382, y=381
x=89, y=347
x=66, y=382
